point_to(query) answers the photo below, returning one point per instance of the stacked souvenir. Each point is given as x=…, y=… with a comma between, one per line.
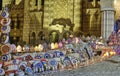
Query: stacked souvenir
x=5, y=29
x=9, y=66
x=44, y=58
x=114, y=41
x=75, y=53
x=104, y=51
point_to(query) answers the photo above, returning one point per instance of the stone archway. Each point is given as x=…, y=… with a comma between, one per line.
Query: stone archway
x=32, y=38
x=66, y=34
x=54, y=36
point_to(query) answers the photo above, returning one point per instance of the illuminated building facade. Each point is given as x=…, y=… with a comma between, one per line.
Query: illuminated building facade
x=34, y=19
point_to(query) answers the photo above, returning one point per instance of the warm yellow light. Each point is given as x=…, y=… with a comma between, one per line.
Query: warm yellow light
x=76, y=40
x=112, y=53
x=40, y=47
x=106, y=54
x=52, y=46
x=36, y=48
x=19, y=48
x=56, y=45
x=115, y=1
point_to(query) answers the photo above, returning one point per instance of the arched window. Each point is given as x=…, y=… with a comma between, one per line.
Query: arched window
x=33, y=39
x=36, y=2
x=42, y=2
x=90, y=0
x=33, y=34
x=18, y=24
x=12, y=24
x=41, y=35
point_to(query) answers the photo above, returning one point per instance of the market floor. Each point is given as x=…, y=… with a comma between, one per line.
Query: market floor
x=109, y=67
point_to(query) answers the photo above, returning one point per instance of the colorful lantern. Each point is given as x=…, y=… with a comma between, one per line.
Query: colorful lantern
x=36, y=48
x=40, y=47
x=60, y=44
x=5, y=49
x=52, y=46
x=56, y=45
x=19, y=48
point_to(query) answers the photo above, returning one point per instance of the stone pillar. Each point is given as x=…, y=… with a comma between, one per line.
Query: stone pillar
x=77, y=14
x=107, y=18
x=39, y=4
x=26, y=28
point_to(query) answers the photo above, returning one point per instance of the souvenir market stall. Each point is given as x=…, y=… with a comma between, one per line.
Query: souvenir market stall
x=114, y=41
x=66, y=54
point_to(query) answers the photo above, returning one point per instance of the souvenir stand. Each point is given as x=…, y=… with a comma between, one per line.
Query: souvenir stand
x=8, y=66
x=114, y=41
x=66, y=54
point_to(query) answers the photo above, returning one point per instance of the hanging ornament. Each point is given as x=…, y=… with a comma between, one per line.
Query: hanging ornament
x=40, y=47
x=5, y=21
x=52, y=46
x=56, y=45
x=5, y=29
x=4, y=38
x=19, y=48
x=5, y=13
x=36, y=48
x=5, y=49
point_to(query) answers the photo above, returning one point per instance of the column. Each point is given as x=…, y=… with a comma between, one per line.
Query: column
x=107, y=18
x=47, y=13
x=26, y=27
x=77, y=14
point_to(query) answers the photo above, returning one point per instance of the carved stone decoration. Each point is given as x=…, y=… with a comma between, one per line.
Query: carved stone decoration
x=62, y=21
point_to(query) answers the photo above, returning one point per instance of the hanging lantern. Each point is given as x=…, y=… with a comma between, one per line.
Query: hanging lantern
x=52, y=46
x=40, y=47
x=56, y=45
x=60, y=44
x=19, y=48
x=36, y=48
